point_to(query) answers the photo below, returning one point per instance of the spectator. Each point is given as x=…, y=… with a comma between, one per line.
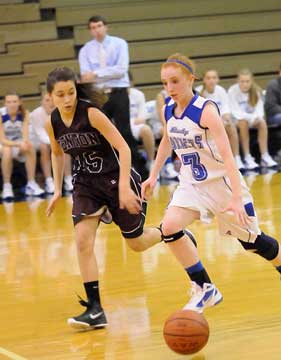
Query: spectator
x=138, y=115
x=272, y=104
x=14, y=126
x=104, y=61
x=153, y=119
x=38, y=119
x=211, y=90
x=245, y=99
x=168, y=171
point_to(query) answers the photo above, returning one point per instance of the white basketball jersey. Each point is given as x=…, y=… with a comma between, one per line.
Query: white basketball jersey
x=12, y=128
x=193, y=144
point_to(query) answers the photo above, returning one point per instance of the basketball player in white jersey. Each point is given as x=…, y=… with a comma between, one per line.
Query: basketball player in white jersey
x=210, y=183
x=210, y=89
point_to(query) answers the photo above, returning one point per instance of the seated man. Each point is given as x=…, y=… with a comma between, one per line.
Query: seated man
x=272, y=105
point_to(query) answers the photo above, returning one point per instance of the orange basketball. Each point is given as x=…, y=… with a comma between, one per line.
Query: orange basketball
x=186, y=332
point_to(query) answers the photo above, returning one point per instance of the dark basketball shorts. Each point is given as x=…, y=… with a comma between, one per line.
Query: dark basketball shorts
x=92, y=194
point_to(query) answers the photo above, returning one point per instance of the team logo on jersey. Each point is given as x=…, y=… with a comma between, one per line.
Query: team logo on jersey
x=176, y=130
x=194, y=142
x=75, y=140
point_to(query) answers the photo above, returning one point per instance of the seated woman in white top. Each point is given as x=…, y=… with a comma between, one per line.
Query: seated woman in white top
x=211, y=90
x=14, y=137
x=246, y=104
x=38, y=119
x=140, y=130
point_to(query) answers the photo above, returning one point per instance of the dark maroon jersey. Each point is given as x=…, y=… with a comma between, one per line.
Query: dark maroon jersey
x=90, y=151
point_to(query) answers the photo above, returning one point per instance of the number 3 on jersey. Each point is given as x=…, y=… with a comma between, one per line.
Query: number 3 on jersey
x=199, y=171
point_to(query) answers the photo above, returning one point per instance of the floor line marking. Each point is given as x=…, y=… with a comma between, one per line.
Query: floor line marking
x=11, y=355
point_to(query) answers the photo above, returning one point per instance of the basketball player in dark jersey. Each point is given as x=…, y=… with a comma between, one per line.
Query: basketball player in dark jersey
x=104, y=183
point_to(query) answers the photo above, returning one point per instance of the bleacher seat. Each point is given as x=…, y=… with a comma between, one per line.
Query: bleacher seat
x=155, y=9
x=16, y=13
x=187, y=26
x=237, y=34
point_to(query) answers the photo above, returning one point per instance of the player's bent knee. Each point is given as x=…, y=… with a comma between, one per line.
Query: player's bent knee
x=134, y=240
x=136, y=244
x=168, y=227
x=169, y=237
x=173, y=237
x=267, y=247
x=134, y=234
x=264, y=245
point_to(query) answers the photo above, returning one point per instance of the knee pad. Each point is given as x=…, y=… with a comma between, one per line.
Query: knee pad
x=265, y=246
x=178, y=235
x=172, y=237
x=191, y=236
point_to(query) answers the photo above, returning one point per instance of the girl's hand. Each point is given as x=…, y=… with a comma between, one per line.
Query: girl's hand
x=130, y=201
x=25, y=146
x=236, y=206
x=147, y=187
x=53, y=203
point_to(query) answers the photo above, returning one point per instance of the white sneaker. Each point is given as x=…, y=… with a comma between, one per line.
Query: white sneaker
x=267, y=161
x=33, y=189
x=250, y=163
x=202, y=298
x=239, y=162
x=7, y=192
x=67, y=183
x=168, y=172
x=49, y=185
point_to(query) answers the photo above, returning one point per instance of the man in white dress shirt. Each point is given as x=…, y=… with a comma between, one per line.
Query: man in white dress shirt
x=104, y=60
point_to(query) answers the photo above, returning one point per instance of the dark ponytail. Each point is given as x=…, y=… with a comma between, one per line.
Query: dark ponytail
x=85, y=91
x=88, y=92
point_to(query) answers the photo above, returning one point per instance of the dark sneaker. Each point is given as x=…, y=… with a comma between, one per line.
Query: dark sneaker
x=92, y=318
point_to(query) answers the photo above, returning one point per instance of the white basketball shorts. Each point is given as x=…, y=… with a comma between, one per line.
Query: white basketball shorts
x=210, y=199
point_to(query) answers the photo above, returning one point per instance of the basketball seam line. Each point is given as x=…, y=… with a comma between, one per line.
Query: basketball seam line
x=183, y=318
x=185, y=335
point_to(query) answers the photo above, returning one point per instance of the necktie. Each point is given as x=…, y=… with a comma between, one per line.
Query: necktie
x=102, y=56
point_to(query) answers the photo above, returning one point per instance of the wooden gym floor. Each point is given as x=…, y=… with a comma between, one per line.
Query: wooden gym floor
x=39, y=279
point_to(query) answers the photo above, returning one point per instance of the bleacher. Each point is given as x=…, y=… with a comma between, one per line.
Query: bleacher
x=37, y=36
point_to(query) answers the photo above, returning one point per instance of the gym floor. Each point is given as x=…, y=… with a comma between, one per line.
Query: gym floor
x=39, y=279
